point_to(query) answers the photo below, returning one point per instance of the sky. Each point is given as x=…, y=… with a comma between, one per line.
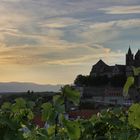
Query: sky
x=52, y=41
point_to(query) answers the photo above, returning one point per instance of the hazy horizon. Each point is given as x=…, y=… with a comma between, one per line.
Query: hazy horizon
x=52, y=41
x=12, y=87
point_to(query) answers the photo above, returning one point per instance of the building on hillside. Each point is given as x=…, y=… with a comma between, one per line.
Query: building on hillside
x=109, y=94
x=102, y=69
x=106, y=96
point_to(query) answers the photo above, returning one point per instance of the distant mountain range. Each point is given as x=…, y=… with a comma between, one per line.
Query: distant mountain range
x=24, y=87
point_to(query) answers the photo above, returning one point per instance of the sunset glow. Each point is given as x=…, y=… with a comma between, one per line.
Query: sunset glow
x=51, y=41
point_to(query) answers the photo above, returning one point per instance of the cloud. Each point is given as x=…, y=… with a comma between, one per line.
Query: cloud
x=67, y=54
x=55, y=38
x=102, y=32
x=59, y=22
x=129, y=23
x=122, y=9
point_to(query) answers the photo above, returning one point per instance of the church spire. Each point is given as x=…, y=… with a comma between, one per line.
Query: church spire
x=129, y=50
x=129, y=58
x=137, y=58
x=138, y=52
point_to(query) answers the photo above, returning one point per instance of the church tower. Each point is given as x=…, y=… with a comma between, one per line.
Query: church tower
x=129, y=58
x=137, y=59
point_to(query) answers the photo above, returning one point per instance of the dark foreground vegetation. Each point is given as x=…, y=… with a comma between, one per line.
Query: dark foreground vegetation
x=37, y=97
x=16, y=121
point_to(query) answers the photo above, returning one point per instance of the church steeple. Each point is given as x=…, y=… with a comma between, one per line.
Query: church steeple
x=137, y=54
x=129, y=51
x=137, y=58
x=129, y=58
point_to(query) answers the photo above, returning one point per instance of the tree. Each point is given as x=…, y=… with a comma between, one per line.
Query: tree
x=80, y=80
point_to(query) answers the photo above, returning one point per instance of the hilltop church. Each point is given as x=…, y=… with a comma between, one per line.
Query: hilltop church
x=102, y=69
x=108, y=93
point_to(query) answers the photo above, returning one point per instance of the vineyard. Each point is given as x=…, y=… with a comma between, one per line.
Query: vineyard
x=16, y=120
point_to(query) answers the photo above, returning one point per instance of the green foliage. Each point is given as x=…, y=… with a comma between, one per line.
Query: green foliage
x=134, y=115
x=73, y=129
x=71, y=94
x=128, y=84
x=131, y=80
x=58, y=102
x=48, y=113
x=12, y=117
x=16, y=121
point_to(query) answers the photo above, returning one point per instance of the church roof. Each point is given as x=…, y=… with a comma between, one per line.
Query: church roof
x=138, y=53
x=99, y=66
x=101, y=62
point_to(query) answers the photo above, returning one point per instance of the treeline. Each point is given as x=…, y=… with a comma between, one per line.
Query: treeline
x=115, y=81
x=37, y=97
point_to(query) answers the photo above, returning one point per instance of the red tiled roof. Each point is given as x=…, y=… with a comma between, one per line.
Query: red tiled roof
x=85, y=114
